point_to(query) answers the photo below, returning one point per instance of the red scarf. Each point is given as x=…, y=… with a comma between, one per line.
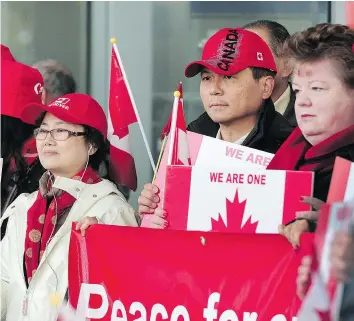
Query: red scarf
x=41, y=221
x=298, y=154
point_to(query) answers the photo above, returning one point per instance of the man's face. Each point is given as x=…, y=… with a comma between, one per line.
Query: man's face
x=230, y=98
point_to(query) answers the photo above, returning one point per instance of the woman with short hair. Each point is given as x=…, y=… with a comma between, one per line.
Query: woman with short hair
x=324, y=87
x=323, y=82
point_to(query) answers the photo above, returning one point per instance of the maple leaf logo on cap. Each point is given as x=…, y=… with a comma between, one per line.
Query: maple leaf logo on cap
x=259, y=56
x=38, y=88
x=234, y=212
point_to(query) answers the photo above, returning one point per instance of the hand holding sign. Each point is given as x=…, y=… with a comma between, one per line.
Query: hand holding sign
x=158, y=219
x=293, y=231
x=316, y=205
x=148, y=202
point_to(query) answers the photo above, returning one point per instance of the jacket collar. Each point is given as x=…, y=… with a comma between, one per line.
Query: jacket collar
x=289, y=112
x=283, y=101
x=331, y=144
x=328, y=146
x=78, y=189
x=264, y=120
x=89, y=194
x=205, y=126
x=296, y=148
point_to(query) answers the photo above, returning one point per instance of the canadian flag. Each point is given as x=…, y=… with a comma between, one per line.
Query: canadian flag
x=121, y=115
x=176, y=126
x=234, y=199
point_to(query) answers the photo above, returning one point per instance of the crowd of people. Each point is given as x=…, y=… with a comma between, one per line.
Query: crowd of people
x=291, y=95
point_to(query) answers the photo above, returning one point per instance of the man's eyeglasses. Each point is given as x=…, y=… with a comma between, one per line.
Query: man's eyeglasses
x=57, y=134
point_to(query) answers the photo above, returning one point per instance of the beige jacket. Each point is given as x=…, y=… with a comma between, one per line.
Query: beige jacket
x=50, y=282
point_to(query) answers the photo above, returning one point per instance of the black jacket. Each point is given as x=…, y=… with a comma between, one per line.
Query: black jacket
x=271, y=130
x=323, y=176
x=347, y=309
x=289, y=113
x=13, y=185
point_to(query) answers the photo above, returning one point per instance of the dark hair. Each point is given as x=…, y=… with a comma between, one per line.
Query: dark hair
x=96, y=139
x=14, y=133
x=278, y=33
x=93, y=137
x=258, y=73
x=325, y=41
x=58, y=79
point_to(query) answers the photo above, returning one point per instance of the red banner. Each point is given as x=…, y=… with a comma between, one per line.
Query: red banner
x=122, y=273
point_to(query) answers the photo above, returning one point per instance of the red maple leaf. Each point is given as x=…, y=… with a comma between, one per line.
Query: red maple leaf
x=323, y=315
x=234, y=215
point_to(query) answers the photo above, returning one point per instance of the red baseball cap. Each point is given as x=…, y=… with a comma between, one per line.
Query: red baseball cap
x=6, y=54
x=80, y=109
x=232, y=50
x=20, y=85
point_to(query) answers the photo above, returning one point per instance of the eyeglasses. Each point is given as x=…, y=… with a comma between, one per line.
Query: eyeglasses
x=57, y=134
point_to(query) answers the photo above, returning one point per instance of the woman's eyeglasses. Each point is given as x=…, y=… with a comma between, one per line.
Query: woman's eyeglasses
x=57, y=134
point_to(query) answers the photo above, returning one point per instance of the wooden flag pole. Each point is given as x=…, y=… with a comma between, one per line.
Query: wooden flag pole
x=160, y=158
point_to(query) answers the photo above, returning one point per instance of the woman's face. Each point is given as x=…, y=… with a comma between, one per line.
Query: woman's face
x=62, y=157
x=324, y=105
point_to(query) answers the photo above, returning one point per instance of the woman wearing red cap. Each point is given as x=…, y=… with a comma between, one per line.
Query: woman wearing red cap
x=34, y=252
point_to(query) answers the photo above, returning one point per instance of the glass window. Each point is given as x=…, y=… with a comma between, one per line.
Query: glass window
x=37, y=30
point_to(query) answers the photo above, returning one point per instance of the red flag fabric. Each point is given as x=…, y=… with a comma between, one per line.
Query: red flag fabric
x=167, y=128
x=180, y=149
x=117, y=273
x=121, y=115
x=120, y=102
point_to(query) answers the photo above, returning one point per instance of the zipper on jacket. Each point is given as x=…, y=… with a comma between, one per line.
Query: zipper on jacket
x=25, y=304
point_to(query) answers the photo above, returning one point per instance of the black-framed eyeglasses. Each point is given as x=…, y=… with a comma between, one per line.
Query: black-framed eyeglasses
x=57, y=134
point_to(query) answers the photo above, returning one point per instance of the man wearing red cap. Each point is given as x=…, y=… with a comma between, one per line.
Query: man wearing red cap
x=283, y=96
x=237, y=73
x=237, y=79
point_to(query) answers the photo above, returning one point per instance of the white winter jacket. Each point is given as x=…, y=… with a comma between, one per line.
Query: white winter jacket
x=50, y=282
